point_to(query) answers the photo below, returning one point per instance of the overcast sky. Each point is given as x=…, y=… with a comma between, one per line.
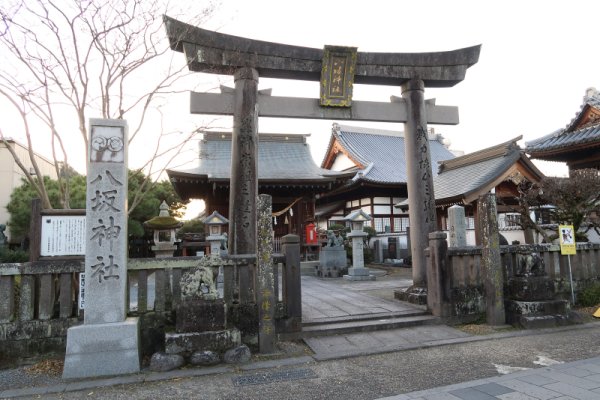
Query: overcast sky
x=537, y=58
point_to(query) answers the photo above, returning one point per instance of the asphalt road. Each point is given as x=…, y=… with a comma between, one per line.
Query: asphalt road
x=370, y=377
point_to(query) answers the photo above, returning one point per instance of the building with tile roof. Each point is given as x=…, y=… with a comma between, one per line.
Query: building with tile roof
x=376, y=158
x=286, y=171
x=577, y=144
x=461, y=180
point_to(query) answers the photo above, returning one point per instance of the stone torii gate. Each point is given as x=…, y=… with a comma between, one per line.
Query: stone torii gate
x=337, y=68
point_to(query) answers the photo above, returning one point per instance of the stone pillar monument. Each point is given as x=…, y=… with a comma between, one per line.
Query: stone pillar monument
x=439, y=291
x=457, y=226
x=358, y=272
x=420, y=185
x=244, y=173
x=108, y=342
x=266, y=296
x=491, y=262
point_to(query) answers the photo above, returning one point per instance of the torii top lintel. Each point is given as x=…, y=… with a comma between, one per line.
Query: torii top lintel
x=214, y=52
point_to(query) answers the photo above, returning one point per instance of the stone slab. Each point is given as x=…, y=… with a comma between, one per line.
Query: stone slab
x=187, y=343
x=102, y=349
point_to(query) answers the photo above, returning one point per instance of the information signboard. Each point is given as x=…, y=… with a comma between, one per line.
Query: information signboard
x=63, y=235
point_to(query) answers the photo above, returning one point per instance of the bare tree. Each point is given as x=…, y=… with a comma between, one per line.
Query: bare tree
x=67, y=60
x=574, y=201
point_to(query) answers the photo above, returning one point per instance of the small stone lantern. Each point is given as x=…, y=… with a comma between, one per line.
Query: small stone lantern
x=216, y=237
x=358, y=272
x=164, y=227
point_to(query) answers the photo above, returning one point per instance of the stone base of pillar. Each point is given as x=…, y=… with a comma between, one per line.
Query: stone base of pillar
x=359, y=274
x=95, y=350
x=413, y=295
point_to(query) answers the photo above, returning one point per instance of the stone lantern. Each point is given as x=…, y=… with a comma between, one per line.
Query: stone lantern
x=216, y=236
x=164, y=227
x=358, y=272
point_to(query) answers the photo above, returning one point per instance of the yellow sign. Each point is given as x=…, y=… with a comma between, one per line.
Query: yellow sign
x=566, y=236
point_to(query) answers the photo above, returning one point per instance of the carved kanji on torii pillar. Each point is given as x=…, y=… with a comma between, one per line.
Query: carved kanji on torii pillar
x=337, y=69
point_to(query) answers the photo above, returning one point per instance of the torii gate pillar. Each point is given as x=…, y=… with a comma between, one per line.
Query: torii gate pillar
x=420, y=185
x=243, y=186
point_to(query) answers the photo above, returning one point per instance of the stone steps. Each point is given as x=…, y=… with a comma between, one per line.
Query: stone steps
x=362, y=317
x=331, y=328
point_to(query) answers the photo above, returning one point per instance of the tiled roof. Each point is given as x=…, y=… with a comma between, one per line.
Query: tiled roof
x=563, y=139
x=472, y=177
x=280, y=158
x=570, y=136
x=381, y=152
x=465, y=176
x=462, y=179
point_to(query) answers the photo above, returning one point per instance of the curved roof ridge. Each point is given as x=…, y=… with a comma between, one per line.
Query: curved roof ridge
x=590, y=99
x=488, y=153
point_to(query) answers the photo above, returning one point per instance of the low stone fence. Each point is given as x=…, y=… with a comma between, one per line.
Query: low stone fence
x=461, y=294
x=39, y=300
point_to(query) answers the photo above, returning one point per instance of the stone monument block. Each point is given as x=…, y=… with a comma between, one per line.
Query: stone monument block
x=333, y=262
x=102, y=349
x=531, y=296
x=200, y=316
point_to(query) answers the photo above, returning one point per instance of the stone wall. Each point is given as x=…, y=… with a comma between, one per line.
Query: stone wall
x=466, y=293
x=38, y=302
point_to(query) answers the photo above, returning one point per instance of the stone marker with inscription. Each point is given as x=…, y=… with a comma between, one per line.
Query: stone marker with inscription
x=457, y=226
x=108, y=342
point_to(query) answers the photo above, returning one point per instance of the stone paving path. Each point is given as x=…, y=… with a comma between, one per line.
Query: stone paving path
x=578, y=380
x=323, y=299
x=356, y=344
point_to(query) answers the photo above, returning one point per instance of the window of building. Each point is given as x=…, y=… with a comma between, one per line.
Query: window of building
x=470, y=222
x=380, y=224
x=400, y=224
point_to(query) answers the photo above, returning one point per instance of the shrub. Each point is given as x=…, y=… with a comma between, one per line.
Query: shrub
x=590, y=296
x=13, y=256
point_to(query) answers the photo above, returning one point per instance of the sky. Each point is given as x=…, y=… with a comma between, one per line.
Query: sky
x=537, y=60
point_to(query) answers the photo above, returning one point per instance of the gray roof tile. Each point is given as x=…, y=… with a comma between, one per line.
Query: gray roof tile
x=280, y=158
x=562, y=139
x=381, y=152
x=472, y=177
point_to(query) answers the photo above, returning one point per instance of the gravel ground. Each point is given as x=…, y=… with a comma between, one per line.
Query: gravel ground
x=368, y=377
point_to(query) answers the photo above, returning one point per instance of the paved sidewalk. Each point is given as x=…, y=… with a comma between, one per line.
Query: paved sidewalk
x=576, y=380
